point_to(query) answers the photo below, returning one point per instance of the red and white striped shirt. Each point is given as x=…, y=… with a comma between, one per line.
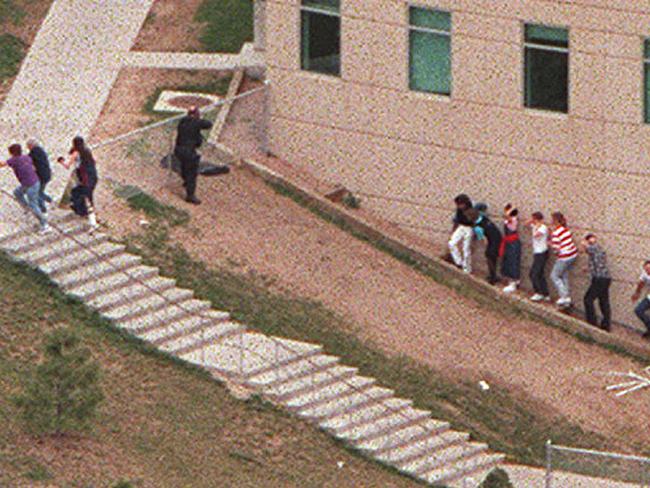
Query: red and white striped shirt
x=562, y=243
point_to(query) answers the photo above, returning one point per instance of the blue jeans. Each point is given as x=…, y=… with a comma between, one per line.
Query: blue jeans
x=29, y=197
x=640, y=311
x=560, y=276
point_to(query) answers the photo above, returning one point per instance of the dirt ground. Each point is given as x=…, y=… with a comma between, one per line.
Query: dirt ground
x=125, y=109
x=170, y=26
x=244, y=223
x=26, y=30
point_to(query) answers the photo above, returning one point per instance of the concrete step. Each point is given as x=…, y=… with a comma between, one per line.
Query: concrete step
x=167, y=315
x=64, y=264
x=29, y=242
x=346, y=421
x=72, y=246
x=199, y=339
x=185, y=326
x=148, y=304
x=447, y=456
x=298, y=386
x=337, y=390
x=55, y=218
x=402, y=437
x=102, y=271
x=135, y=293
x=384, y=425
x=348, y=403
x=89, y=289
x=462, y=469
x=409, y=452
x=245, y=355
x=293, y=371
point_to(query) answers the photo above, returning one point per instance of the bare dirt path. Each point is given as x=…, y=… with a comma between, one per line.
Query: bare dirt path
x=245, y=224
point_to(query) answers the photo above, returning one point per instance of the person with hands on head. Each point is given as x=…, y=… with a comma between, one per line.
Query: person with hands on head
x=643, y=306
x=27, y=193
x=601, y=280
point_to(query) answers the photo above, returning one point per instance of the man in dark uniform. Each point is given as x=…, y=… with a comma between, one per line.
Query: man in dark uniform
x=43, y=170
x=188, y=140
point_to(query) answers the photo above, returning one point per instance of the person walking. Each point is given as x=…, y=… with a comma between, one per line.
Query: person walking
x=27, y=193
x=642, y=307
x=601, y=280
x=566, y=253
x=83, y=200
x=485, y=229
x=43, y=170
x=188, y=140
x=510, y=249
x=537, y=276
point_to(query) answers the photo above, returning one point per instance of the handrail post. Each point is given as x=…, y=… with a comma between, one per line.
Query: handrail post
x=548, y=478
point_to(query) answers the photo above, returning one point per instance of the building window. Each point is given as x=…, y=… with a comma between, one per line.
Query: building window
x=430, y=50
x=646, y=80
x=321, y=36
x=546, y=61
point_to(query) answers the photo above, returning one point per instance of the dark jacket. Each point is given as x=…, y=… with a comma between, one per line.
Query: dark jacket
x=41, y=164
x=189, y=131
x=492, y=234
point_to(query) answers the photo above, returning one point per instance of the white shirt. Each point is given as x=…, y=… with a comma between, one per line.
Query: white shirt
x=540, y=241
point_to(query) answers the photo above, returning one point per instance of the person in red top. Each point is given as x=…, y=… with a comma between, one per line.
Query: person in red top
x=566, y=253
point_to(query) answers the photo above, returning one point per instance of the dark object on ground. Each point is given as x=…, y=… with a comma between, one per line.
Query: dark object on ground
x=193, y=200
x=205, y=168
x=78, y=197
x=497, y=478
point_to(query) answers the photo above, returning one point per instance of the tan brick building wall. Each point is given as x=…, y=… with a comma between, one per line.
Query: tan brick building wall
x=368, y=131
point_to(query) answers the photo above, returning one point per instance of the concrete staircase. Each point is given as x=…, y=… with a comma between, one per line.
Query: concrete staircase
x=295, y=375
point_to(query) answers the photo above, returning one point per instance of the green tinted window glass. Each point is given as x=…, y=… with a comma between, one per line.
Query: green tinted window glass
x=430, y=62
x=329, y=5
x=646, y=49
x=432, y=19
x=550, y=36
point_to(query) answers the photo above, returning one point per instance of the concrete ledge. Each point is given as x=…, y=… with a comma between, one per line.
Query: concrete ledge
x=445, y=273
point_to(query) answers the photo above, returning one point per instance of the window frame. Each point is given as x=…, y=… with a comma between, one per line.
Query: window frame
x=544, y=47
x=428, y=30
x=315, y=10
x=645, y=76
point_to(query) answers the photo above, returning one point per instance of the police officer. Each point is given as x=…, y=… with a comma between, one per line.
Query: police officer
x=188, y=140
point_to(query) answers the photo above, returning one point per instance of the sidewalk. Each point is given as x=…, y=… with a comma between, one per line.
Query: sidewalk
x=68, y=74
x=526, y=477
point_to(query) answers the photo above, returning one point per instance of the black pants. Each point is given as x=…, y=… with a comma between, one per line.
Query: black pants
x=492, y=256
x=599, y=289
x=189, y=159
x=537, y=273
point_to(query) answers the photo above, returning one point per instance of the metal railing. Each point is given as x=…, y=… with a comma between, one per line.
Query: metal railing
x=137, y=150
x=627, y=469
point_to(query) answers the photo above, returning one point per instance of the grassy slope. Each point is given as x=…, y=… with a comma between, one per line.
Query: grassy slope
x=221, y=33
x=163, y=422
x=509, y=423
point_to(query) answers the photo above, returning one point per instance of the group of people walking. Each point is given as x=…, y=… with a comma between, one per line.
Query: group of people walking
x=471, y=222
x=33, y=172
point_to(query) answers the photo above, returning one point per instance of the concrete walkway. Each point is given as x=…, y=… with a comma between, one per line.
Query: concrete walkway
x=68, y=74
x=247, y=58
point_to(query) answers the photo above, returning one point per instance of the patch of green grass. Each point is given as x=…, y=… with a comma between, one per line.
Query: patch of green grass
x=219, y=86
x=228, y=24
x=152, y=208
x=510, y=423
x=177, y=410
x=12, y=51
x=10, y=11
x=461, y=287
x=38, y=472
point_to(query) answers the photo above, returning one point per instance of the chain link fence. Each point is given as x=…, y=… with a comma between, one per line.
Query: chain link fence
x=632, y=470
